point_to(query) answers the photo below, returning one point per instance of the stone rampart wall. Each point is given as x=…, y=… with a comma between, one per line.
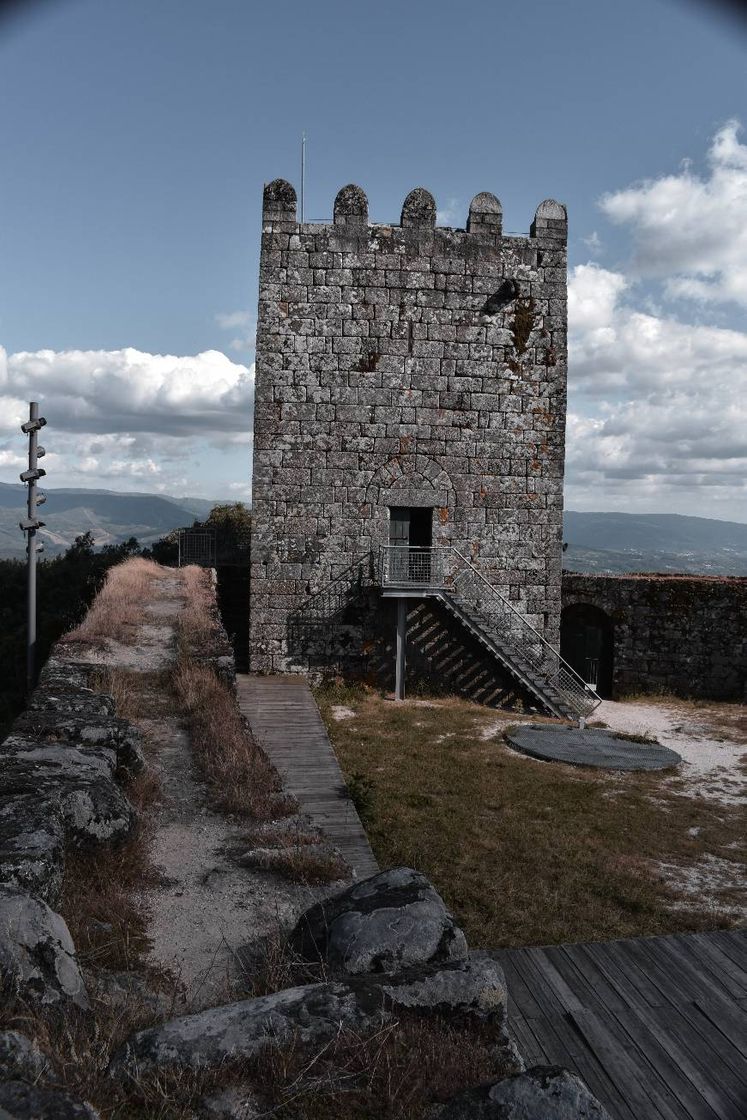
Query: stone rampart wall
x=680, y=634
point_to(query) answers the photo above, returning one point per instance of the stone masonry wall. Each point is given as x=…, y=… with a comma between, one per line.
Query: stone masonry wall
x=680, y=634
x=406, y=366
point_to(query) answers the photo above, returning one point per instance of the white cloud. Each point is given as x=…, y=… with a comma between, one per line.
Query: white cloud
x=449, y=213
x=658, y=407
x=689, y=230
x=593, y=243
x=98, y=391
x=128, y=420
x=231, y=320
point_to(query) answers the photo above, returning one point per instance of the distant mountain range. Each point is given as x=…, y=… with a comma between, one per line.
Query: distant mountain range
x=110, y=516
x=613, y=543
x=597, y=542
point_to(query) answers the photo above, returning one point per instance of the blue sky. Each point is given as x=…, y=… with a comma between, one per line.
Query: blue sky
x=137, y=135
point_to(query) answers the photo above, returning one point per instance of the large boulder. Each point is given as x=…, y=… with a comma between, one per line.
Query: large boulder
x=542, y=1093
x=19, y=1101
x=63, y=688
x=37, y=955
x=114, y=740
x=393, y=920
x=311, y=1015
x=31, y=844
x=21, y=1059
x=93, y=807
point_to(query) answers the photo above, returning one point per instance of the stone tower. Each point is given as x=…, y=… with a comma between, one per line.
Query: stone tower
x=410, y=391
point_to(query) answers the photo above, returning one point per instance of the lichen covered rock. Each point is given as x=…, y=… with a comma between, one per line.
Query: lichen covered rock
x=311, y=1015
x=393, y=920
x=92, y=805
x=21, y=1059
x=19, y=1101
x=37, y=955
x=542, y=1093
x=31, y=844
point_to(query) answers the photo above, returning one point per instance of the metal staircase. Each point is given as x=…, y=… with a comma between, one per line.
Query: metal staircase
x=504, y=633
x=492, y=620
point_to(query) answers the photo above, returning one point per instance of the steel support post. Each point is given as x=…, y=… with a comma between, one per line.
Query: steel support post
x=399, y=675
x=31, y=557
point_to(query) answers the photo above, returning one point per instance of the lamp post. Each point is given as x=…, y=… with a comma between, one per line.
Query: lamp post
x=30, y=525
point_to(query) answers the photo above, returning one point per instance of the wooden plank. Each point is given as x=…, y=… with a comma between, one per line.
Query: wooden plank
x=566, y=996
x=702, y=1065
x=582, y=971
x=730, y=1021
x=284, y=719
x=734, y=944
x=536, y=980
x=612, y=968
x=520, y=990
x=656, y=1056
x=661, y=1022
x=688, y=964
x=721, y=963
x=659, y=1014
x=647, y=1101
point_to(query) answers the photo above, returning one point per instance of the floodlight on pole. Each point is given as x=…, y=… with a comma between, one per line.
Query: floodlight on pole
x=31, y=525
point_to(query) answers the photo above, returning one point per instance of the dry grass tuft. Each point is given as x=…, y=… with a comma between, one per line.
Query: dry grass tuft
x=397, y=1072
x=102, y=904
x=241, y=777
x=117, y=611
x=200, y=631
x=272, y=965
x=81, y=1045
x=303, y=863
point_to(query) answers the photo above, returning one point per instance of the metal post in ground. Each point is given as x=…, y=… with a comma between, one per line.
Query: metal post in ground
x=30, y=526
x=399, y=675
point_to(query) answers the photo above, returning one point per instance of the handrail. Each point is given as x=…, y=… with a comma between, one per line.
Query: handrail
x=324, y=603
x=535, y=650
x=565, y=677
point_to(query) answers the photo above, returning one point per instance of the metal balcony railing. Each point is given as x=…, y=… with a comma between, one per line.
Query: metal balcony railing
x=405, y=566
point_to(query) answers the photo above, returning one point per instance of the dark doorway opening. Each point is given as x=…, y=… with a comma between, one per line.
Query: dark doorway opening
x=411, y=526
x=587, y=644
x=411, y=535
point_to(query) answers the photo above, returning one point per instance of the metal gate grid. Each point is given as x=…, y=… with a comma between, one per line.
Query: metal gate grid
x=197, y=546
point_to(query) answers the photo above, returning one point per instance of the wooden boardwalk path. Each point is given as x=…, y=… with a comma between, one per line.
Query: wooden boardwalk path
x=655, y=1026
x=285, y=721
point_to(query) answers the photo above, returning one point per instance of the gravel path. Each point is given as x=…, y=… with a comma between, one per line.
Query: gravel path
x=207, y=912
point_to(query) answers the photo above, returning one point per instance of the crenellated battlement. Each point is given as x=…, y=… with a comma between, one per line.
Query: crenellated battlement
x=484, y=219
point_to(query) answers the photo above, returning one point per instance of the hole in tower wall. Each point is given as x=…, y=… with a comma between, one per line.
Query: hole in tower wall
x=506, y=292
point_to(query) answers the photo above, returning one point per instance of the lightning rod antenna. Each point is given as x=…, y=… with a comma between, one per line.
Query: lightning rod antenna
x=303, y=172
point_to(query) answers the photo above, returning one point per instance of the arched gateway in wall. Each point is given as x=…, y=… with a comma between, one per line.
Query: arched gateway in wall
x=587, y=643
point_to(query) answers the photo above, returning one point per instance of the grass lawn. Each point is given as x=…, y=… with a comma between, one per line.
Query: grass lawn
x=524, y=852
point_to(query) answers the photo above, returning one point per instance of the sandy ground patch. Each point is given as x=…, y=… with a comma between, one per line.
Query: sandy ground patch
x=340, y=712
x=714, y=761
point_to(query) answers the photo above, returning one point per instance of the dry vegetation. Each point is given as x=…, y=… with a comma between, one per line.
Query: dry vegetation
x=524, y=852
x=394, y=1073
x=241, y=777
x=301, y=862
x=118, y=609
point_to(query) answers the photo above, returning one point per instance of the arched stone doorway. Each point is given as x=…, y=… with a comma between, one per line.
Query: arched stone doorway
x=587, y=644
